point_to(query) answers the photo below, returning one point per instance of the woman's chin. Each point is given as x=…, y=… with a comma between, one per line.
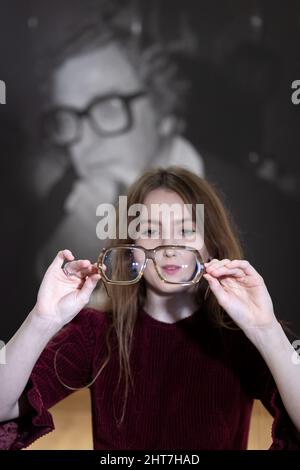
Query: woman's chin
x=166, y=288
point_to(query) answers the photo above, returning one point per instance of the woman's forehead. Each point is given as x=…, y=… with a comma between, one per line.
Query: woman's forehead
x=163, y=196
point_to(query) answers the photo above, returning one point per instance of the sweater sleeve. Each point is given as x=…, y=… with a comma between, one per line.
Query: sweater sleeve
x=73, y=347
x=259, y=384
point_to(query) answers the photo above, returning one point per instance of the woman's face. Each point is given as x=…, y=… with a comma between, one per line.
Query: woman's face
x=166, y=227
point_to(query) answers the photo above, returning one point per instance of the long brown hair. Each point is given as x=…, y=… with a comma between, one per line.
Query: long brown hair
x=220, y=239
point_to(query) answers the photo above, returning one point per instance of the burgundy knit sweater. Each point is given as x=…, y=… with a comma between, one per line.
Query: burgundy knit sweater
x=194, y=386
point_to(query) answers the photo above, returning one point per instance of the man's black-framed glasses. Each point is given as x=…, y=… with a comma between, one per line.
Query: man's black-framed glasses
x=108, y=115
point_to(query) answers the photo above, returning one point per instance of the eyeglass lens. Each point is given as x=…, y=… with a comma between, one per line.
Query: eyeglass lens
x=174, y=265
x=123, y=264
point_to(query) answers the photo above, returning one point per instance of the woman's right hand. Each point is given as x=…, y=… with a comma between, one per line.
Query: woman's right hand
x=60, y=296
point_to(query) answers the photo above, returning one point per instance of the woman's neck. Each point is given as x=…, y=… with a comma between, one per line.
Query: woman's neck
x=169, y=308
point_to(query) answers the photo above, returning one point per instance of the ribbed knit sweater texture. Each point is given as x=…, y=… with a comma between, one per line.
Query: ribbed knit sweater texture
x=193, y=387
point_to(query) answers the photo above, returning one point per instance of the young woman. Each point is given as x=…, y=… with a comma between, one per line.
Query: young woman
x=176, y=359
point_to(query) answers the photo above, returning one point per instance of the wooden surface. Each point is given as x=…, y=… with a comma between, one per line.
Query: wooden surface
x=72, y=420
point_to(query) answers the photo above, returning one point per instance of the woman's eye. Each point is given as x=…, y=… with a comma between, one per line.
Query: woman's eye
x=188, y=233
x=148, y=231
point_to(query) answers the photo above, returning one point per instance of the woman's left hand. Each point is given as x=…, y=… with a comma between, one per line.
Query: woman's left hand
x=241, y=291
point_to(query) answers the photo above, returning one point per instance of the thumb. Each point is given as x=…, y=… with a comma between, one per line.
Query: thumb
x=216, y=289
x=89, y=285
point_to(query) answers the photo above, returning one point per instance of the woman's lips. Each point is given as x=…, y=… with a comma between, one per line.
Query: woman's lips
x=171, y=268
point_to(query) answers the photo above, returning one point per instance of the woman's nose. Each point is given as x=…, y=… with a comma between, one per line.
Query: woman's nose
x=169, y=252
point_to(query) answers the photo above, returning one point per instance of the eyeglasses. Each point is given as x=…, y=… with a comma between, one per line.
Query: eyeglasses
x=174, y=264
x=108, y=115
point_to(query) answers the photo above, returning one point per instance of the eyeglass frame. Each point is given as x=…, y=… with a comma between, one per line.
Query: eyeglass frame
x=150, y=254
x=78, y=114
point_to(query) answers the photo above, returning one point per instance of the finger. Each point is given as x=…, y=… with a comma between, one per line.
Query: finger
x=79, y=263
x=103, y=266
x=216, y=260
x=244, y=265
x=89, y=285
x=211, y=261
x=80, y=270
x=216, y=288
x=61, y=257
x=79, y=267
x=69, y=273
x=215, y=263
x=226, y=271
x=88, y=271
